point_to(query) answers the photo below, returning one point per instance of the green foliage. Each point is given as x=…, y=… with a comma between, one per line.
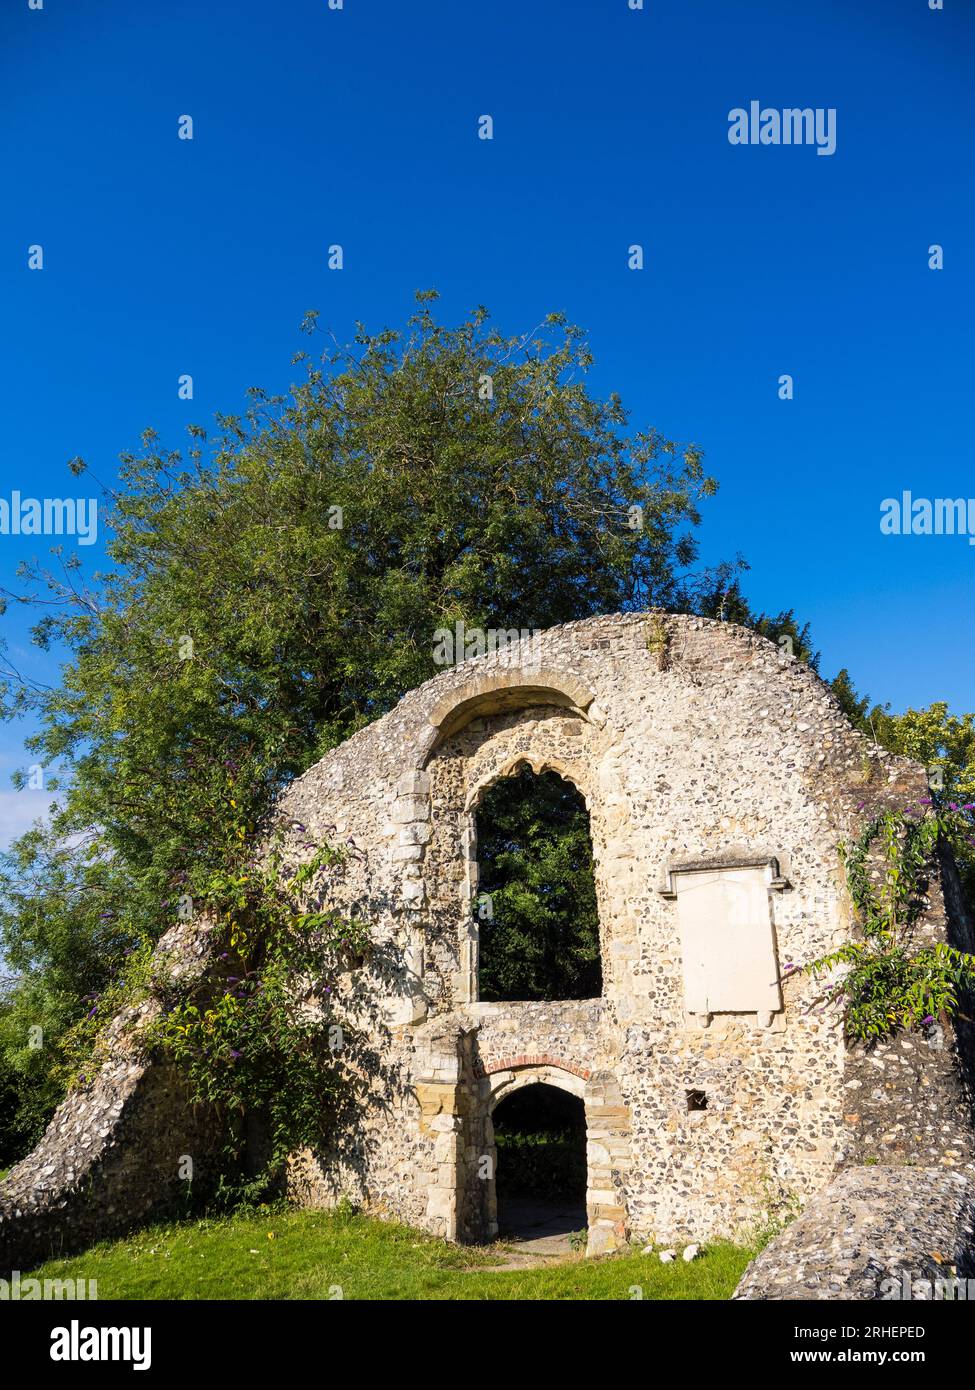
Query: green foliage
x=942, y=742
x=240, y=627
x=945, y=744
x=541, y=940
x=84, y=1046
x=257, y=1042
x=261, y=1045
x=543, y=1164
x=657, y=640
x=248, y=1044
x=853, y=705
x=29, y=1087
x=887, y=980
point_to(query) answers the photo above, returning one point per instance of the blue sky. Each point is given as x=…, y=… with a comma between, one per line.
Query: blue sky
x=359, y=126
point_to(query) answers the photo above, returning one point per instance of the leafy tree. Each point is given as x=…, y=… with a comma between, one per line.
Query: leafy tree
x=541, y=939
x=721, y=597
x=945, y=744
x=854, y=706
x=276, y=587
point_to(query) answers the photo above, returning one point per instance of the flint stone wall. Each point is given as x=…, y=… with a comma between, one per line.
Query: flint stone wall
x=873, y=1234
x=708, y=747
x=113, y=1156
x=694, y=743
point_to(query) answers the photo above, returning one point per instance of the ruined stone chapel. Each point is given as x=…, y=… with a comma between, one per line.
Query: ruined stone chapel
x=719, y=776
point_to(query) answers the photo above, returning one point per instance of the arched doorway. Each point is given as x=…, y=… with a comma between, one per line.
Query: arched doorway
x=540, y=1165
x=537, y=917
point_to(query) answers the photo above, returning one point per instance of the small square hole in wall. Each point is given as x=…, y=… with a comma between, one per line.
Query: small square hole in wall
x=696, y=1100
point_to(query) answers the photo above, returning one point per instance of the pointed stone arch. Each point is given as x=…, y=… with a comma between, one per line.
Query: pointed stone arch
x=539, y=763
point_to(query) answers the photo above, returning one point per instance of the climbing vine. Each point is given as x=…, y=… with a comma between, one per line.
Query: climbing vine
x=888, y=980
x=257, y=1037
x=262, y=1043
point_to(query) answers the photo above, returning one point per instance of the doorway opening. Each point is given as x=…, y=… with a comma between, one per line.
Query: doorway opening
x=540, y=1171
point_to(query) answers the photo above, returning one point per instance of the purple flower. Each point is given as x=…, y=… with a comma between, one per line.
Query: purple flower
x=235, y=1054
x=928, y=1019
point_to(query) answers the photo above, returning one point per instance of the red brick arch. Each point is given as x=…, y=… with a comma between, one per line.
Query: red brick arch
x=543, y=1060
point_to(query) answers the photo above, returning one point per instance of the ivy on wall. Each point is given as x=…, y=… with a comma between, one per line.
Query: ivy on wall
x=890, y=979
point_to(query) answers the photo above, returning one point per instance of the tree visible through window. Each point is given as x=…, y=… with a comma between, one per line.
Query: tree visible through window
x=539, y=928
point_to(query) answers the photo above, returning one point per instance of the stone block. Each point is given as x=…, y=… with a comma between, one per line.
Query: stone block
x=413, y=784
x=416, y=833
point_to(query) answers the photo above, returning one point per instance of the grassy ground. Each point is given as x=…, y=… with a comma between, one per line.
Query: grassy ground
x=320, y=1255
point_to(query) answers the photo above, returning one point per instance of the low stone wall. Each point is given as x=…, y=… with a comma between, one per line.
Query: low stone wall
x=907, y=1101
x=118, y=1152
x=872, y=1234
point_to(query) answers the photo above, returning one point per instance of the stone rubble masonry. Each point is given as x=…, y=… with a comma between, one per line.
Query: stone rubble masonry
x=871, y=1235
x=723, y=753
x=114, y=1153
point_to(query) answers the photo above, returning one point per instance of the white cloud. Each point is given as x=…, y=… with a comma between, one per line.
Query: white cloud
x=18, y=812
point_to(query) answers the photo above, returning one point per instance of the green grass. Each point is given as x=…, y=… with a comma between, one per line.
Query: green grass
x=309, y=1255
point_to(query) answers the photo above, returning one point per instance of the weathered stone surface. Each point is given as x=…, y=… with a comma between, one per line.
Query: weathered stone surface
x=726, y=752
x=726, y=756
x=872, y=1234
x=116, y=1151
